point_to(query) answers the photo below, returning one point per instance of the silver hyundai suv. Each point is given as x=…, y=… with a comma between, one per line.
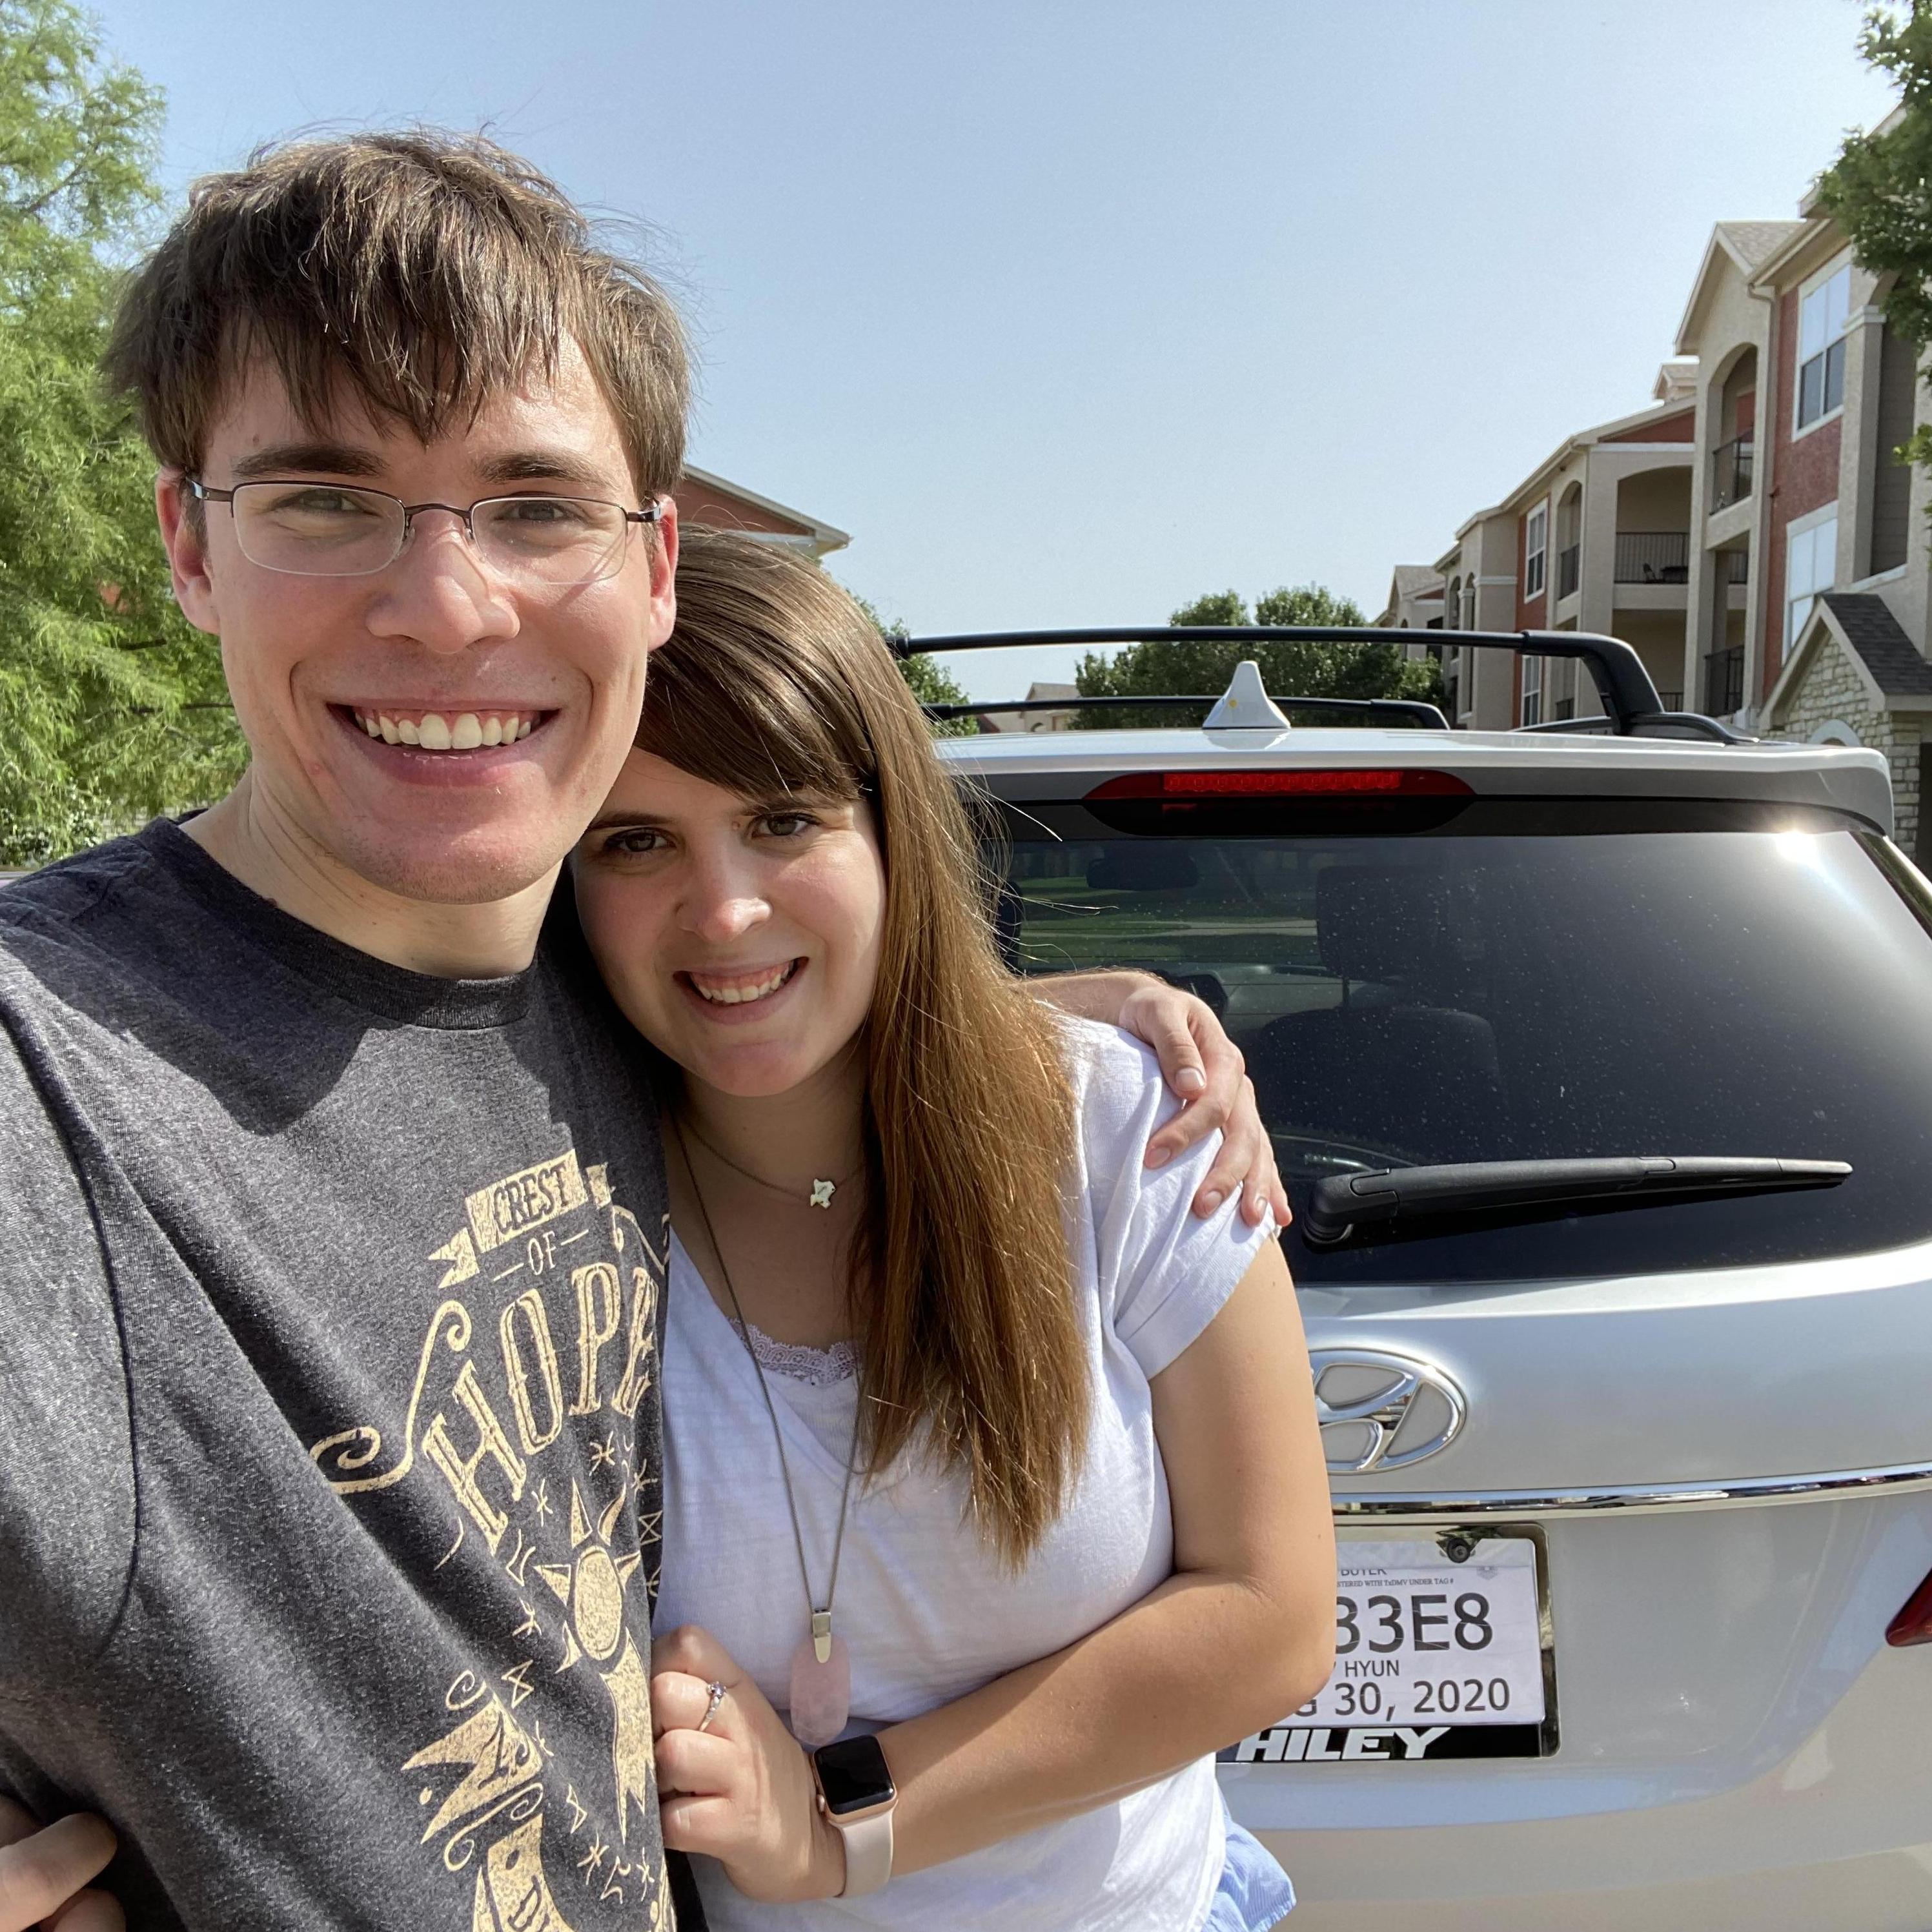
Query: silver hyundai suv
x=1599, y=1063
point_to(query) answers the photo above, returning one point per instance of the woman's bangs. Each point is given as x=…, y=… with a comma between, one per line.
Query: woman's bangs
x=735, y=719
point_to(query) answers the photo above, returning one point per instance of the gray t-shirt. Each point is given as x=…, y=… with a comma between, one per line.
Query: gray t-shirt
x=330, y=1308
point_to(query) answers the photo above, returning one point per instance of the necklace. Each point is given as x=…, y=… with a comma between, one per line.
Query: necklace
x=820, y=1196
x=821, y=1666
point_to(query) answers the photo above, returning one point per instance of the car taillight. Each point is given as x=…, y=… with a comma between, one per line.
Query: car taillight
x=1913, y=1623
x=1377, y=782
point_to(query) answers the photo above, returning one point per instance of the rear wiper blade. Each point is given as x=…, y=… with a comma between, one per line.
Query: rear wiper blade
x=1370, y=1207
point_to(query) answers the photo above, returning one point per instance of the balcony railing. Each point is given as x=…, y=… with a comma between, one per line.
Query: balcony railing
x=1731, y=478
x=1724, y=681
x=1568, y=569
x=1737, y=566
x=1653, y=556
x=1671, y=700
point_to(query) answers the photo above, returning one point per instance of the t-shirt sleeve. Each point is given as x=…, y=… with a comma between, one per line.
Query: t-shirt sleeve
x=67, y=1495
x=1163, y=1272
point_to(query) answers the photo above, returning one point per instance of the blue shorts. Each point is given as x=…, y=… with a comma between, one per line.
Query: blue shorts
x=1254, y=1892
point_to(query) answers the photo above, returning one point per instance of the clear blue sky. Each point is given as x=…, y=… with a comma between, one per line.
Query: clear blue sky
x=1071, y=310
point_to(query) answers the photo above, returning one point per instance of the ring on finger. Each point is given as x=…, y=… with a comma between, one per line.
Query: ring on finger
x=717, y=1697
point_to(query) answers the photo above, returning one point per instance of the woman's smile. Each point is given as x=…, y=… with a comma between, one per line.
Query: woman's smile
x=744, y=994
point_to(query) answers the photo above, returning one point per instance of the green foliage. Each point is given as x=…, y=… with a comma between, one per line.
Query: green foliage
x=932, y=683
x=111, y=706
x=1288, y=669
x=1879, y=189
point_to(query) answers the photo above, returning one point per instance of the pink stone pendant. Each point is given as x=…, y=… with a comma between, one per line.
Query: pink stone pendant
x=821, y=1694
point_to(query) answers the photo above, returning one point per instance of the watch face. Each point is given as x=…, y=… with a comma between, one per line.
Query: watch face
x=853, y=1776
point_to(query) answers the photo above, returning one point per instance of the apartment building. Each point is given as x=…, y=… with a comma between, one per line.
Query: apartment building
x=1596, y=537
x=1752, y=532
x=1804, y=395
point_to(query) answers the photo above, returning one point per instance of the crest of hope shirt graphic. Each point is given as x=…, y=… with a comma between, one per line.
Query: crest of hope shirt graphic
x=572, y=1338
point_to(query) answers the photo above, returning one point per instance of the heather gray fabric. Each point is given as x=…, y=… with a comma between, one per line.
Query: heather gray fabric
x=330, y=1299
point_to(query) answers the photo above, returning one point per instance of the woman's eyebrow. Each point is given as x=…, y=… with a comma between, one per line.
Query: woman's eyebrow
x=630, y=820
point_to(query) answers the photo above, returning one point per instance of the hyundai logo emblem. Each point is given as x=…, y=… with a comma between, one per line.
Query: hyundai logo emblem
x=1378, y=1410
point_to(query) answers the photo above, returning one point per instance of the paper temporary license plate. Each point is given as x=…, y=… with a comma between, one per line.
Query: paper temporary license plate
x=1434, y=1658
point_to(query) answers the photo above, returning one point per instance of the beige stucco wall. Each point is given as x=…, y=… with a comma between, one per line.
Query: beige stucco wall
x=1733, y=320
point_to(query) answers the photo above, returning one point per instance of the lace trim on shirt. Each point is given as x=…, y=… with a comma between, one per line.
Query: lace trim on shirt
x=816, y=1368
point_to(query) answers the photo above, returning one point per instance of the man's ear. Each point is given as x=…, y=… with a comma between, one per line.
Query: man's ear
x=184, y=536
x=663, y=554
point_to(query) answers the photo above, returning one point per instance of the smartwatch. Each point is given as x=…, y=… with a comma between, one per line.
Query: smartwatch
x=856, y=1794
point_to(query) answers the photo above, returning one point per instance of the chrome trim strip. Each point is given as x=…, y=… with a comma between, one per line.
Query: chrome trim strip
x=1741, y=1492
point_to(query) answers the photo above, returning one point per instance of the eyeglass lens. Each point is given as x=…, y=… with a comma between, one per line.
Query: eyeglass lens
x=312, y=530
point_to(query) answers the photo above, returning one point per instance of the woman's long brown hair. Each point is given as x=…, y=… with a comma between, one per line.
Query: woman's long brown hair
x=774, y=682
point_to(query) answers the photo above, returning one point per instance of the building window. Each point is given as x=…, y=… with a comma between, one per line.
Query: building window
x=1532, y=691
x=1535, y=543
x=1810, y=561
x=1822, y=316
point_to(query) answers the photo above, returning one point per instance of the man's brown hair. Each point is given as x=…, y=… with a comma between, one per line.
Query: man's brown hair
x=424, y=272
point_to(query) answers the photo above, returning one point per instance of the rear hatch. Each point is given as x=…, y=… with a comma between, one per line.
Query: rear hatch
x=1598, y=1411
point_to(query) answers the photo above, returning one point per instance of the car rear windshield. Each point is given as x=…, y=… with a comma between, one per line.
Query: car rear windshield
x=1529, y=980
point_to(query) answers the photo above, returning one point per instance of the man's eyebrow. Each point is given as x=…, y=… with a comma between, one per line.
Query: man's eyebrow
x=331, y=459
x=544, y=466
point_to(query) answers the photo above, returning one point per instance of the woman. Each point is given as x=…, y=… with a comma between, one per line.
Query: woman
x=1020, y=1478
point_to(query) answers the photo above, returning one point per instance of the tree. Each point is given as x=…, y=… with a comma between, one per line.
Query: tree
x=112, y=706
x=932, y=683
x=1162, y=666
x=1879, y=189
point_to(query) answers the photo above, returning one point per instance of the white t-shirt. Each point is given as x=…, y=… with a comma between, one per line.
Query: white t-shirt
x=926, y=1611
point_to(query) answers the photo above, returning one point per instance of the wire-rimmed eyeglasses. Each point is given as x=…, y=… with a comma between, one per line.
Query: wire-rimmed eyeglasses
x=335, y=529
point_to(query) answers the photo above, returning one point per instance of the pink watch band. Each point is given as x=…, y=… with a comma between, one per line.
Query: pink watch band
x=869, y=1852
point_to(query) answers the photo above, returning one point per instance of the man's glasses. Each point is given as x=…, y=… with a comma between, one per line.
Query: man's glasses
x=330, y=529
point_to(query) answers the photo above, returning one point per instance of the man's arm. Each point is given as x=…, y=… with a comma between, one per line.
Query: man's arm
x=66, y=1484
x=1203, y=1065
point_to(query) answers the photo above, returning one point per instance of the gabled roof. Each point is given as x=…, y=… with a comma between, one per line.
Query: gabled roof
x=1895, y=676
x=728, y=506
x=1868, y=627
x=1746, y=246
x=1417, y=580
x=1752, y=243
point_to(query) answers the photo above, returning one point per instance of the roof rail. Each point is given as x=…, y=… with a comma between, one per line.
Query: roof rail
x=1624, y=687
x=1423, y=715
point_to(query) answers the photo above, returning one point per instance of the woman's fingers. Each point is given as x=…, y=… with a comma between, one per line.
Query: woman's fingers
x=697, y=1763
x=710, y=1824
x=679, y=1702
x=692, y=1649
x=41, y=1872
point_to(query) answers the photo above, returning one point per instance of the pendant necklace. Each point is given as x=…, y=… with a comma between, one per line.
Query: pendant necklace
x=821, y=1666
x=820, y=1194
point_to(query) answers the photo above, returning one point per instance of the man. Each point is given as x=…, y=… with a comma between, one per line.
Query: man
x=329, y=1423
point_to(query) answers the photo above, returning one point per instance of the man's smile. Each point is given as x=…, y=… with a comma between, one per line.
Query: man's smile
x=448, y=730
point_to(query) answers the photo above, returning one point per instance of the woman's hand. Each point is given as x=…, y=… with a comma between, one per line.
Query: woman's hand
x=741, y=1791
x=44, y=1869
